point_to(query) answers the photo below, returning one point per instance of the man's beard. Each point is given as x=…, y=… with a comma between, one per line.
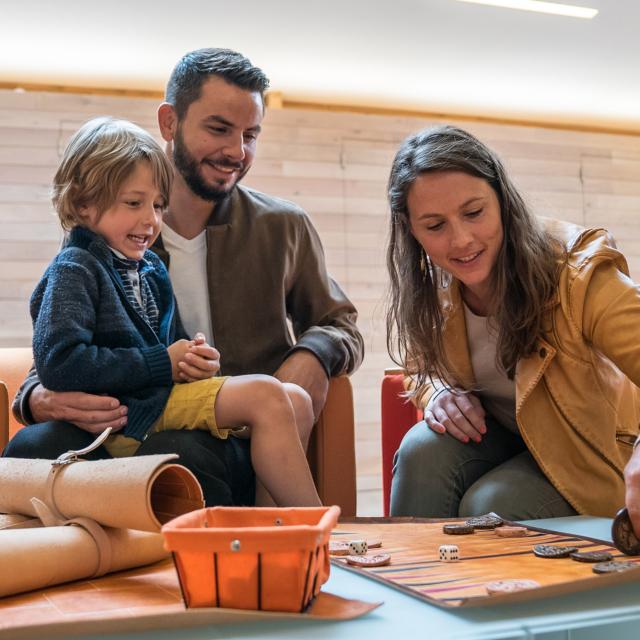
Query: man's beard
x=186, y=164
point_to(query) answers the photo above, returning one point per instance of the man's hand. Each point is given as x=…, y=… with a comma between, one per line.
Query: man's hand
x=632, y=484
x=304, y=369
x=459, y=414
x=89, y=412
x=200, y=361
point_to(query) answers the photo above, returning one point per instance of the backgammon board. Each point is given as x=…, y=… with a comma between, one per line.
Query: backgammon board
x=484, y=558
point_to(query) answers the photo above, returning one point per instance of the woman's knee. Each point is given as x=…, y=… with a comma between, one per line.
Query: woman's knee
x=516, y=490
x=422, y=450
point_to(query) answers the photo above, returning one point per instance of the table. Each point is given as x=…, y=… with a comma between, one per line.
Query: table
x=601, y=613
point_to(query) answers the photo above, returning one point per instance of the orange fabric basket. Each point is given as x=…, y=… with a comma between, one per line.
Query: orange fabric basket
x=268, y=559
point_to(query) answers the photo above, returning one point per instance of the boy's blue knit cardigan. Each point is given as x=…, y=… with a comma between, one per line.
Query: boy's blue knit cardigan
x=88, y=337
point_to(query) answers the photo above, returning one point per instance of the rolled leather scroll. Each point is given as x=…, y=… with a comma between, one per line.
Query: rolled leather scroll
x=46, y=556
x=141, y=493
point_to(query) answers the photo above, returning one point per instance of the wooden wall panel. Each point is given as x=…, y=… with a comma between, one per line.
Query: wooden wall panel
x=335, y=165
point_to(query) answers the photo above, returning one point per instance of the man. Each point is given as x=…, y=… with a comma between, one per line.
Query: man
x=258, y=259
x=632, y=486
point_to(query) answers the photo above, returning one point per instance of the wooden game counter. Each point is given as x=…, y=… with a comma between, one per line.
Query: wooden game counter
x=609, y=612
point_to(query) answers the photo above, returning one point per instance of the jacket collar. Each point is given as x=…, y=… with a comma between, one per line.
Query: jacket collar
x=84, y=238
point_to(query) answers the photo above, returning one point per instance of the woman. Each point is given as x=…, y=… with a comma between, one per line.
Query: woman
x=520, y=340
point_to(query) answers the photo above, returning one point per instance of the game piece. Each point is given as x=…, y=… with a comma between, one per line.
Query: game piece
x=457, y=529
x=357, y=547
x=510, y=586
x=623, y=535
x=511, y=532
x=338, y=548
x=375, y=543
x=613, y=567
x=552, y=551
x=378, y=560
x=449, y=553
x=591, y=556
x=485, y=522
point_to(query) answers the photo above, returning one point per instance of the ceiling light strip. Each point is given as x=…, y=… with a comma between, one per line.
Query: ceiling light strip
x=554, y=8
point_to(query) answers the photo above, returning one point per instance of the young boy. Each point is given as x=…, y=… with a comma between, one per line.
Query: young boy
x=105, y=318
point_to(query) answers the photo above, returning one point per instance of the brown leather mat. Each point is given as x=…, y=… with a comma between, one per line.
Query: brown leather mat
x=138, y=600
x=416, y=569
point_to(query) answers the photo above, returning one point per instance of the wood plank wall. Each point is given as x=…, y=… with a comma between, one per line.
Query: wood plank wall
x=333, y=164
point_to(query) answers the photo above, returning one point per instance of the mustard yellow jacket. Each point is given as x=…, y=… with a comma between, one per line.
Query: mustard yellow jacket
x=577, y=399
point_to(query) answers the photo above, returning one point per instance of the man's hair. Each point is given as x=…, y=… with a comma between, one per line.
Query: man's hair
x=195, y=67
x=99, y=157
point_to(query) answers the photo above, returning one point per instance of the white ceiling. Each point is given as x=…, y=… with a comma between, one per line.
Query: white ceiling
x=428, y=55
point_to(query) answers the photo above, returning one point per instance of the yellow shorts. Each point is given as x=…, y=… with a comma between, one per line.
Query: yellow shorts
x=190, y=406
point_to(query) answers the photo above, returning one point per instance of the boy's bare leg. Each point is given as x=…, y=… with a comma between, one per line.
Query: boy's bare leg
x=278, y=458
x=303, y=411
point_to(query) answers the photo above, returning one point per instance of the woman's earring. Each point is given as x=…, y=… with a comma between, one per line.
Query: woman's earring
x=423, y=264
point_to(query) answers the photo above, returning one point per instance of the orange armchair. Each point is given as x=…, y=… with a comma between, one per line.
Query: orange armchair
x=398, y=416
x=14, y=365
x=331, y=449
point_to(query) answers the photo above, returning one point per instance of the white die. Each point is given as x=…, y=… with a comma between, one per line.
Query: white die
x=449, y=553
x=358, y=547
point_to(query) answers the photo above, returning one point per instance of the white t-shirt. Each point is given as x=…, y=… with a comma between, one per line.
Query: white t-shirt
x=494, y=388
x=188, y=273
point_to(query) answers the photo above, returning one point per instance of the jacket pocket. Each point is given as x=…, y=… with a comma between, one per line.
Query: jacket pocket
x=626, y=438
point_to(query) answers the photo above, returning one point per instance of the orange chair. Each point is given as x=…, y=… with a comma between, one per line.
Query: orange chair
x=14, y=365
x=331, y=449
x=398, y=416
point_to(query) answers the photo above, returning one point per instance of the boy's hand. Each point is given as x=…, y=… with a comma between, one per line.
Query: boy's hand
x=177, y=351
x=200, y=361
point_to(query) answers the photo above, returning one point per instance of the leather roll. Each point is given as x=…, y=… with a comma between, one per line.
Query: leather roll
x=142, y=492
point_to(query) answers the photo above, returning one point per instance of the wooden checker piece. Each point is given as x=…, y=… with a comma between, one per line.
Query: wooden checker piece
x=457, y=529
x=511, y=532
x=623, y=535
x=338, y=548
x=500, y=587
x=378, y=560
x=553, y=551
x=591, y=556
x=374, y=543
x=485, y=522
x=613, y=567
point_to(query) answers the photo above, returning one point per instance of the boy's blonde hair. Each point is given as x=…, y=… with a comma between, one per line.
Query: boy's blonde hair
x=98, y=159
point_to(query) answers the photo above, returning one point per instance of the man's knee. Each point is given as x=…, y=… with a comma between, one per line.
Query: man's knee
x=48, y=440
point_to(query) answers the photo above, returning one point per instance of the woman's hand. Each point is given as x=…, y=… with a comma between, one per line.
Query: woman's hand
x=459, y=414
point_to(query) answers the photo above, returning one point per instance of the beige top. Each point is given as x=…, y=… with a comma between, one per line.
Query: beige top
x=494, y=389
